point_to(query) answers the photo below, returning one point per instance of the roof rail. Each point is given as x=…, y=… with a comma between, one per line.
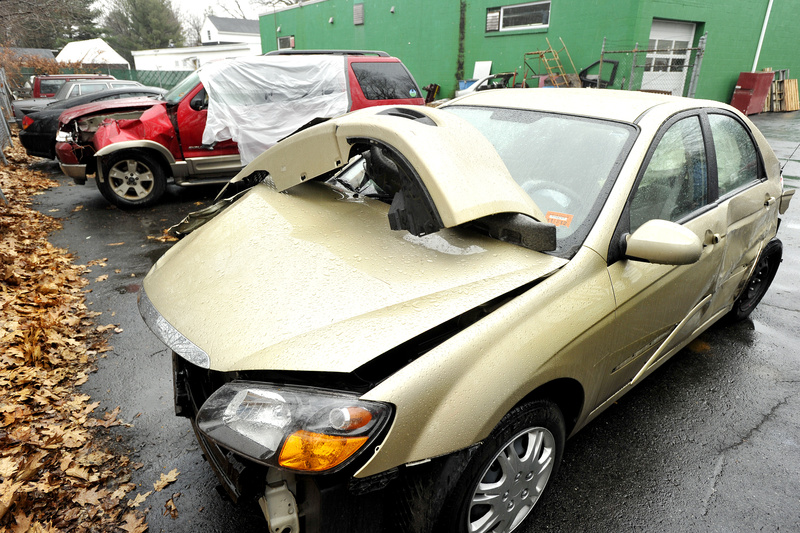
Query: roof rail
x=328, y=52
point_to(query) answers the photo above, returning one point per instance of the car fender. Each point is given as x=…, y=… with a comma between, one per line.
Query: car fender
x=450, y=398
x=113, y=148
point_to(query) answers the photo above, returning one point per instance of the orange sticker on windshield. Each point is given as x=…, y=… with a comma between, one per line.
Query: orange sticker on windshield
x=559, y=219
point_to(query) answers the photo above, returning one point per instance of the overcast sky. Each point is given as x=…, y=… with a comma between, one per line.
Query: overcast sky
x=198, y=7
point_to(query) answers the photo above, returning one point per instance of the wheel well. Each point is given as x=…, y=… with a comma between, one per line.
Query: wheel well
x=567, y=393
x=153, y=154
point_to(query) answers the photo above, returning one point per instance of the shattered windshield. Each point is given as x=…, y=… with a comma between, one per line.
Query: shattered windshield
x=565, y=163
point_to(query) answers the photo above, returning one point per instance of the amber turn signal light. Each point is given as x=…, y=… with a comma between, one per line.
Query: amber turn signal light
x=316, y=452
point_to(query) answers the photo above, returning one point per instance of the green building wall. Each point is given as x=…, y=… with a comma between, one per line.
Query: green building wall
x=440, y=40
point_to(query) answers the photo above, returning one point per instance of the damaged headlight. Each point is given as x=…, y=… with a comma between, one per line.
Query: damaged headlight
x=63, y=137
x=299, y=428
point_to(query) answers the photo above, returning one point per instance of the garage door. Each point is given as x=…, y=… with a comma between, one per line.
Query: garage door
x=668, y=59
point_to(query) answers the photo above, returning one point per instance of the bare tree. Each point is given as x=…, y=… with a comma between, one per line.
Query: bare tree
x=277, y=3
x=192, y=24
x=232, y=8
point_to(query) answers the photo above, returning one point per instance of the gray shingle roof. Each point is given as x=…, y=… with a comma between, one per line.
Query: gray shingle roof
x=230, y=25
x=35, y=52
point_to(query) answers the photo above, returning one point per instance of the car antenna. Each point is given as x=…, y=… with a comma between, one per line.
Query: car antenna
x=790, y=157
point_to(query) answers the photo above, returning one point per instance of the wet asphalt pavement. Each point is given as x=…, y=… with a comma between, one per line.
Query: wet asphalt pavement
x=709, y=442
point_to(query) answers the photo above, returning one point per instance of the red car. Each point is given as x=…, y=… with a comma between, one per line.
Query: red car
x=200, y=134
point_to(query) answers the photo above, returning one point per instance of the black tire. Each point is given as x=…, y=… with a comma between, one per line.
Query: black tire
x=766, y=268
x=132, y=179
x=529, y=438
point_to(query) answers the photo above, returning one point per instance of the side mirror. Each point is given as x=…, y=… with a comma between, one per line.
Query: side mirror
x=665, y=243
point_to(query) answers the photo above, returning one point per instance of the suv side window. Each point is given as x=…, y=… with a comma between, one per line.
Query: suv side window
x=200, y=100
x=737, y=160
x=384, y=81
x=675, y=182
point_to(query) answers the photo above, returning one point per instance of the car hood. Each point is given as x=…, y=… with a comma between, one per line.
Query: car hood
x=122, y=104
x=310, y=280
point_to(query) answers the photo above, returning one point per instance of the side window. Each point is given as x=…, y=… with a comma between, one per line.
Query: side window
x=199, y=101
x=737, y=159
x=92, y=88
x=675, y=182
x=75, y=91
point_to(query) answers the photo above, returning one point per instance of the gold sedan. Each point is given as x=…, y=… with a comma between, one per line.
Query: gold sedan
x=401, y=323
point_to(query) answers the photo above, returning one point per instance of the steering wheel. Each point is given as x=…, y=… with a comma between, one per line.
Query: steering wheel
x=573, y=203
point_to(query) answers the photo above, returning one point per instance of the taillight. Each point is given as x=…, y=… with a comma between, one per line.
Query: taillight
x=26, y=121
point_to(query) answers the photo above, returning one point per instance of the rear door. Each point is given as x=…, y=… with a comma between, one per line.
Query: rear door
x=746, y=197
x=204, y=161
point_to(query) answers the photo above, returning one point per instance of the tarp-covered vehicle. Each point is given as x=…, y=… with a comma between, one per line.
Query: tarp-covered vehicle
x=409, y=342
x=221, y=117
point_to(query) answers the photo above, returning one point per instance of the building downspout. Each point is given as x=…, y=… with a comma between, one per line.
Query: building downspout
x=761, y=39
x=462, y=29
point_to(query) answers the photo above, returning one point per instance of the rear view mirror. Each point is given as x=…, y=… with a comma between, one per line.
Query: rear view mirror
x=665, y=243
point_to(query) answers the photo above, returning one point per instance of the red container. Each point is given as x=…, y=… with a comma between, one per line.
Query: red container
x=751, y=91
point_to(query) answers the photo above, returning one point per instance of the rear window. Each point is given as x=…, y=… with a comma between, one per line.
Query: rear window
x=50, y=86
x=385, y=81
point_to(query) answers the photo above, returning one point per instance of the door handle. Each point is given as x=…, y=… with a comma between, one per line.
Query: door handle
x=769, y=201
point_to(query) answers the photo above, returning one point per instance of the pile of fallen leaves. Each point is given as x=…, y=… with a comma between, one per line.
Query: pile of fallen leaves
x=60, y=469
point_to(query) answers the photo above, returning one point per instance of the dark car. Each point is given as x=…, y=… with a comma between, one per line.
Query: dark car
x=70, y=89
x=38, y=134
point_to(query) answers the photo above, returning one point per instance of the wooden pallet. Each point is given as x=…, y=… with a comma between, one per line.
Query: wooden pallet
x=791, y=101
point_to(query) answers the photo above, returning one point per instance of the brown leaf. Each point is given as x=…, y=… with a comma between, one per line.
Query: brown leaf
x=101, y=278
x=134, y=523
x=139, y=499
x=170, y=508
x=166, y=479
x=90, y=497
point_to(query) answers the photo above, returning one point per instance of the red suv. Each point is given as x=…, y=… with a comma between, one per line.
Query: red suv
x=133, y=151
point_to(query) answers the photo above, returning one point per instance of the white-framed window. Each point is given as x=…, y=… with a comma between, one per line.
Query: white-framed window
x=518, y=16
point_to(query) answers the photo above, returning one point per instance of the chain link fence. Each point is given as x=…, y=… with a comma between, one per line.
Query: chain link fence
x=7, y=115
x=665, y=67
x=166, y=79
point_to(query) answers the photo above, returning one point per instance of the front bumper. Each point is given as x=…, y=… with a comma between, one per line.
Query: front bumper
x=76, y=172
x=331, y=503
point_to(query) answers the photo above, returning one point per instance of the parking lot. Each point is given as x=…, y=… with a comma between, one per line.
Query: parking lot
x=710, y=442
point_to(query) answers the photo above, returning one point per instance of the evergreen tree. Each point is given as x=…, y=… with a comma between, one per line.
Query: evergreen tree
x=142, y=25
x=47, y=23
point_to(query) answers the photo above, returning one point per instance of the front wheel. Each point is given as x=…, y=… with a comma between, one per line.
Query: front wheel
x=506, y=477
x=132, y=179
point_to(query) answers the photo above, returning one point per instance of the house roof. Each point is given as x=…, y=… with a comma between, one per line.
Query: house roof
x=91, y=51
x=31, y=52
x=231, y=25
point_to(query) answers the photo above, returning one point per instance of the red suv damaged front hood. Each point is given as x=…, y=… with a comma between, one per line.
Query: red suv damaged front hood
x=153, y=125
x=94, y=108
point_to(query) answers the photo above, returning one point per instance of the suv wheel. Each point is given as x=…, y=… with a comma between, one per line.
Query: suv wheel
x=132, y=179
x=507, y=476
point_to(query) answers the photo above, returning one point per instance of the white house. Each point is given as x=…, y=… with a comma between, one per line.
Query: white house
x=221, y=30
x=221, y=37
